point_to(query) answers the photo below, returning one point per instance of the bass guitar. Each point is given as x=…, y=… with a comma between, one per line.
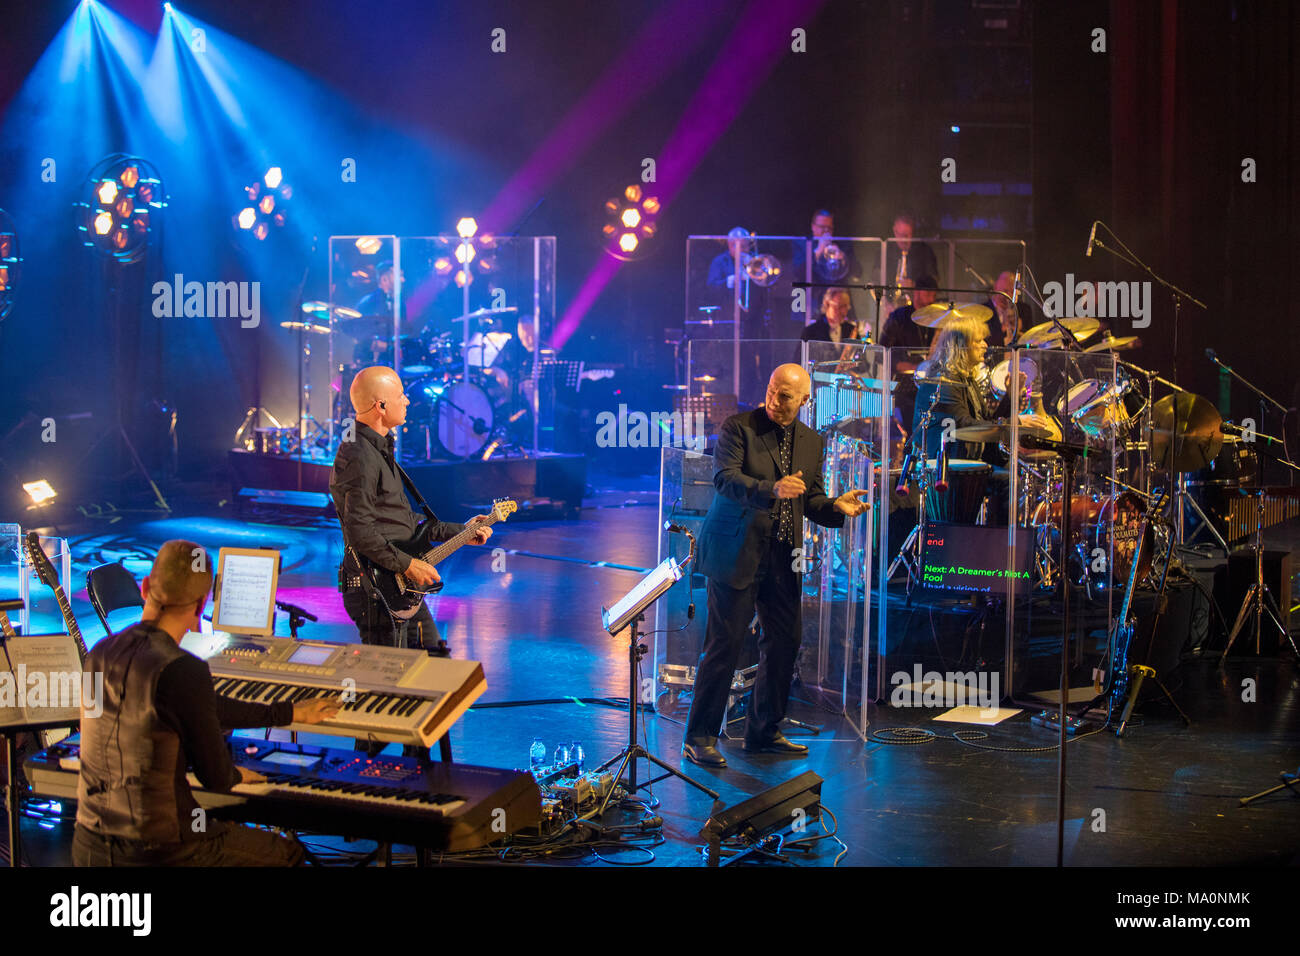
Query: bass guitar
x=403, y=597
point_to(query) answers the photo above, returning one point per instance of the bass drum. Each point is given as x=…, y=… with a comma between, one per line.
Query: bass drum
x=464, y=416
x=1099, y=524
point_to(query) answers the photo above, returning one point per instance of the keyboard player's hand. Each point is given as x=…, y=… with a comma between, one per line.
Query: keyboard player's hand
x=315, y=710
x=249, y=776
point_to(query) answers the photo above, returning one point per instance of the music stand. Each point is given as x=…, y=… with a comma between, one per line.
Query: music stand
x=630, y=610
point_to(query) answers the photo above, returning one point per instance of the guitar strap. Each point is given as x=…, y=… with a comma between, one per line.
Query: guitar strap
x=414, y=491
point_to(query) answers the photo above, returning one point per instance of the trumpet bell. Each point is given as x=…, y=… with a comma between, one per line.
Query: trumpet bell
x=763, y=270
x=832, y=262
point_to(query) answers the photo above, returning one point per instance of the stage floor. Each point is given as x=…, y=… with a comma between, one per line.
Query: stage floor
x=1167, y=794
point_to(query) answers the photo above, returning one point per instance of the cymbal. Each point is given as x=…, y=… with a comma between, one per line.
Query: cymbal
x=1112, y=343
x=997, y=431
x=485, y=312
x=705, y=378
x=1046, y=335
x=938, y=314
x=322, y=310
x=1198, y=438
x=306, y=327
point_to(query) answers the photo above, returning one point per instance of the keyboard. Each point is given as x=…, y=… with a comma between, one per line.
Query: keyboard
x=389, y=694
x=436, y=806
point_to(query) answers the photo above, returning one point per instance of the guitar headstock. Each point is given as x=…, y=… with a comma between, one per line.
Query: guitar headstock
x=503, y=508
x=40, y=561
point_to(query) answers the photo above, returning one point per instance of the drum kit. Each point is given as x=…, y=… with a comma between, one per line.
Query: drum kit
x=1146, y=457
x=460, y=391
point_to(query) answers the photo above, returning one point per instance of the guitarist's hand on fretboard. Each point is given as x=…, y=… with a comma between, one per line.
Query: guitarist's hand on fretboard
x=481, y=536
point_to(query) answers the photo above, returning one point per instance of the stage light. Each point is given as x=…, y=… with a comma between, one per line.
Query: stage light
x=369, y=245
x=442, y=265
x=40, y=491
x=629, y=222
x=463, y=278
x=466, y=227
x=117, y=217
x=269, y=197
x=464, y=253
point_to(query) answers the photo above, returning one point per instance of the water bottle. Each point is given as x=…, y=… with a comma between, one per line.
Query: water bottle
x=537, y=753
x=576, y=754
x=561, y=756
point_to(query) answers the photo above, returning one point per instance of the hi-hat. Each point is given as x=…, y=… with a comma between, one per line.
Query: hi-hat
x=484, y=313
x=1196, y=440
x=1112, y=343
x=937, y=315
x=1047, y=335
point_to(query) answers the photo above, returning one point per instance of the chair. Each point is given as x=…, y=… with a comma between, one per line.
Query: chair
x=112, y=587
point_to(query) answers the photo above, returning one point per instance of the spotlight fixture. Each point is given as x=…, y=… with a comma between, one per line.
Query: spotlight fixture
x=10, y=263
x=124, y=198
x=629, y=222
x=369, y=245
x=467, y=227
x=472, y=252
x=268, y=198
x=40, y=491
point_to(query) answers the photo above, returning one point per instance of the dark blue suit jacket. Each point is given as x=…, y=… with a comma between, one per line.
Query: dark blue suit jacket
x=746, y=469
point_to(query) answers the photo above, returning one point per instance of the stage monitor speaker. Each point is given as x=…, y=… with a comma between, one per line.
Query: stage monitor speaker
x=768, y=812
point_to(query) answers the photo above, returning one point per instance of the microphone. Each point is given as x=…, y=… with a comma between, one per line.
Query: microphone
x=1212, y=356
x=1092, y=237
x=1015, y=289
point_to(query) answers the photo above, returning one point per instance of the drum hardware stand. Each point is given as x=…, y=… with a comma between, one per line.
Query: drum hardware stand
x=1068, y=451
x=1288, y=782
x=1254, y=605
x=915, y=540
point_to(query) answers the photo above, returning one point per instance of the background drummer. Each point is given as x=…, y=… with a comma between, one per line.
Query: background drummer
x=954, y=392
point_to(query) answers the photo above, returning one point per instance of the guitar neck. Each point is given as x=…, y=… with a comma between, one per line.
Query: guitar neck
x=6, y=626
x=452, y=545
x=66, y=610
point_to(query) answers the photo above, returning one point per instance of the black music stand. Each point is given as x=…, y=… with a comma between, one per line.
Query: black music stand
x=628, y=613
x=13, y=800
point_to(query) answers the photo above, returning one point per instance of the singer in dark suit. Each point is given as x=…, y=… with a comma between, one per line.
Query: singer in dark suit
x=767, y=472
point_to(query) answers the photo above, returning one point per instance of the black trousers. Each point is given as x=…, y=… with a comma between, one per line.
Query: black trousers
x=226, y=844
x=377, y=626
x=775, y=595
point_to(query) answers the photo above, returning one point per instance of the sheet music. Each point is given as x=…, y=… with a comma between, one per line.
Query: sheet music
x=41, y=680
x=247, y=592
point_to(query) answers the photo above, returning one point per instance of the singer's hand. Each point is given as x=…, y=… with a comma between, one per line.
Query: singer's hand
x=850, y=503
x=791, y=486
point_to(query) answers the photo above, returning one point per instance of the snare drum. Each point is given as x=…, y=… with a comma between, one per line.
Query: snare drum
x=967, y=483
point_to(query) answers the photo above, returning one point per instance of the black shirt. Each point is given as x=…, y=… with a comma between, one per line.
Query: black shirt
x=186, y=703
x=901, y=332
x=371, y=502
